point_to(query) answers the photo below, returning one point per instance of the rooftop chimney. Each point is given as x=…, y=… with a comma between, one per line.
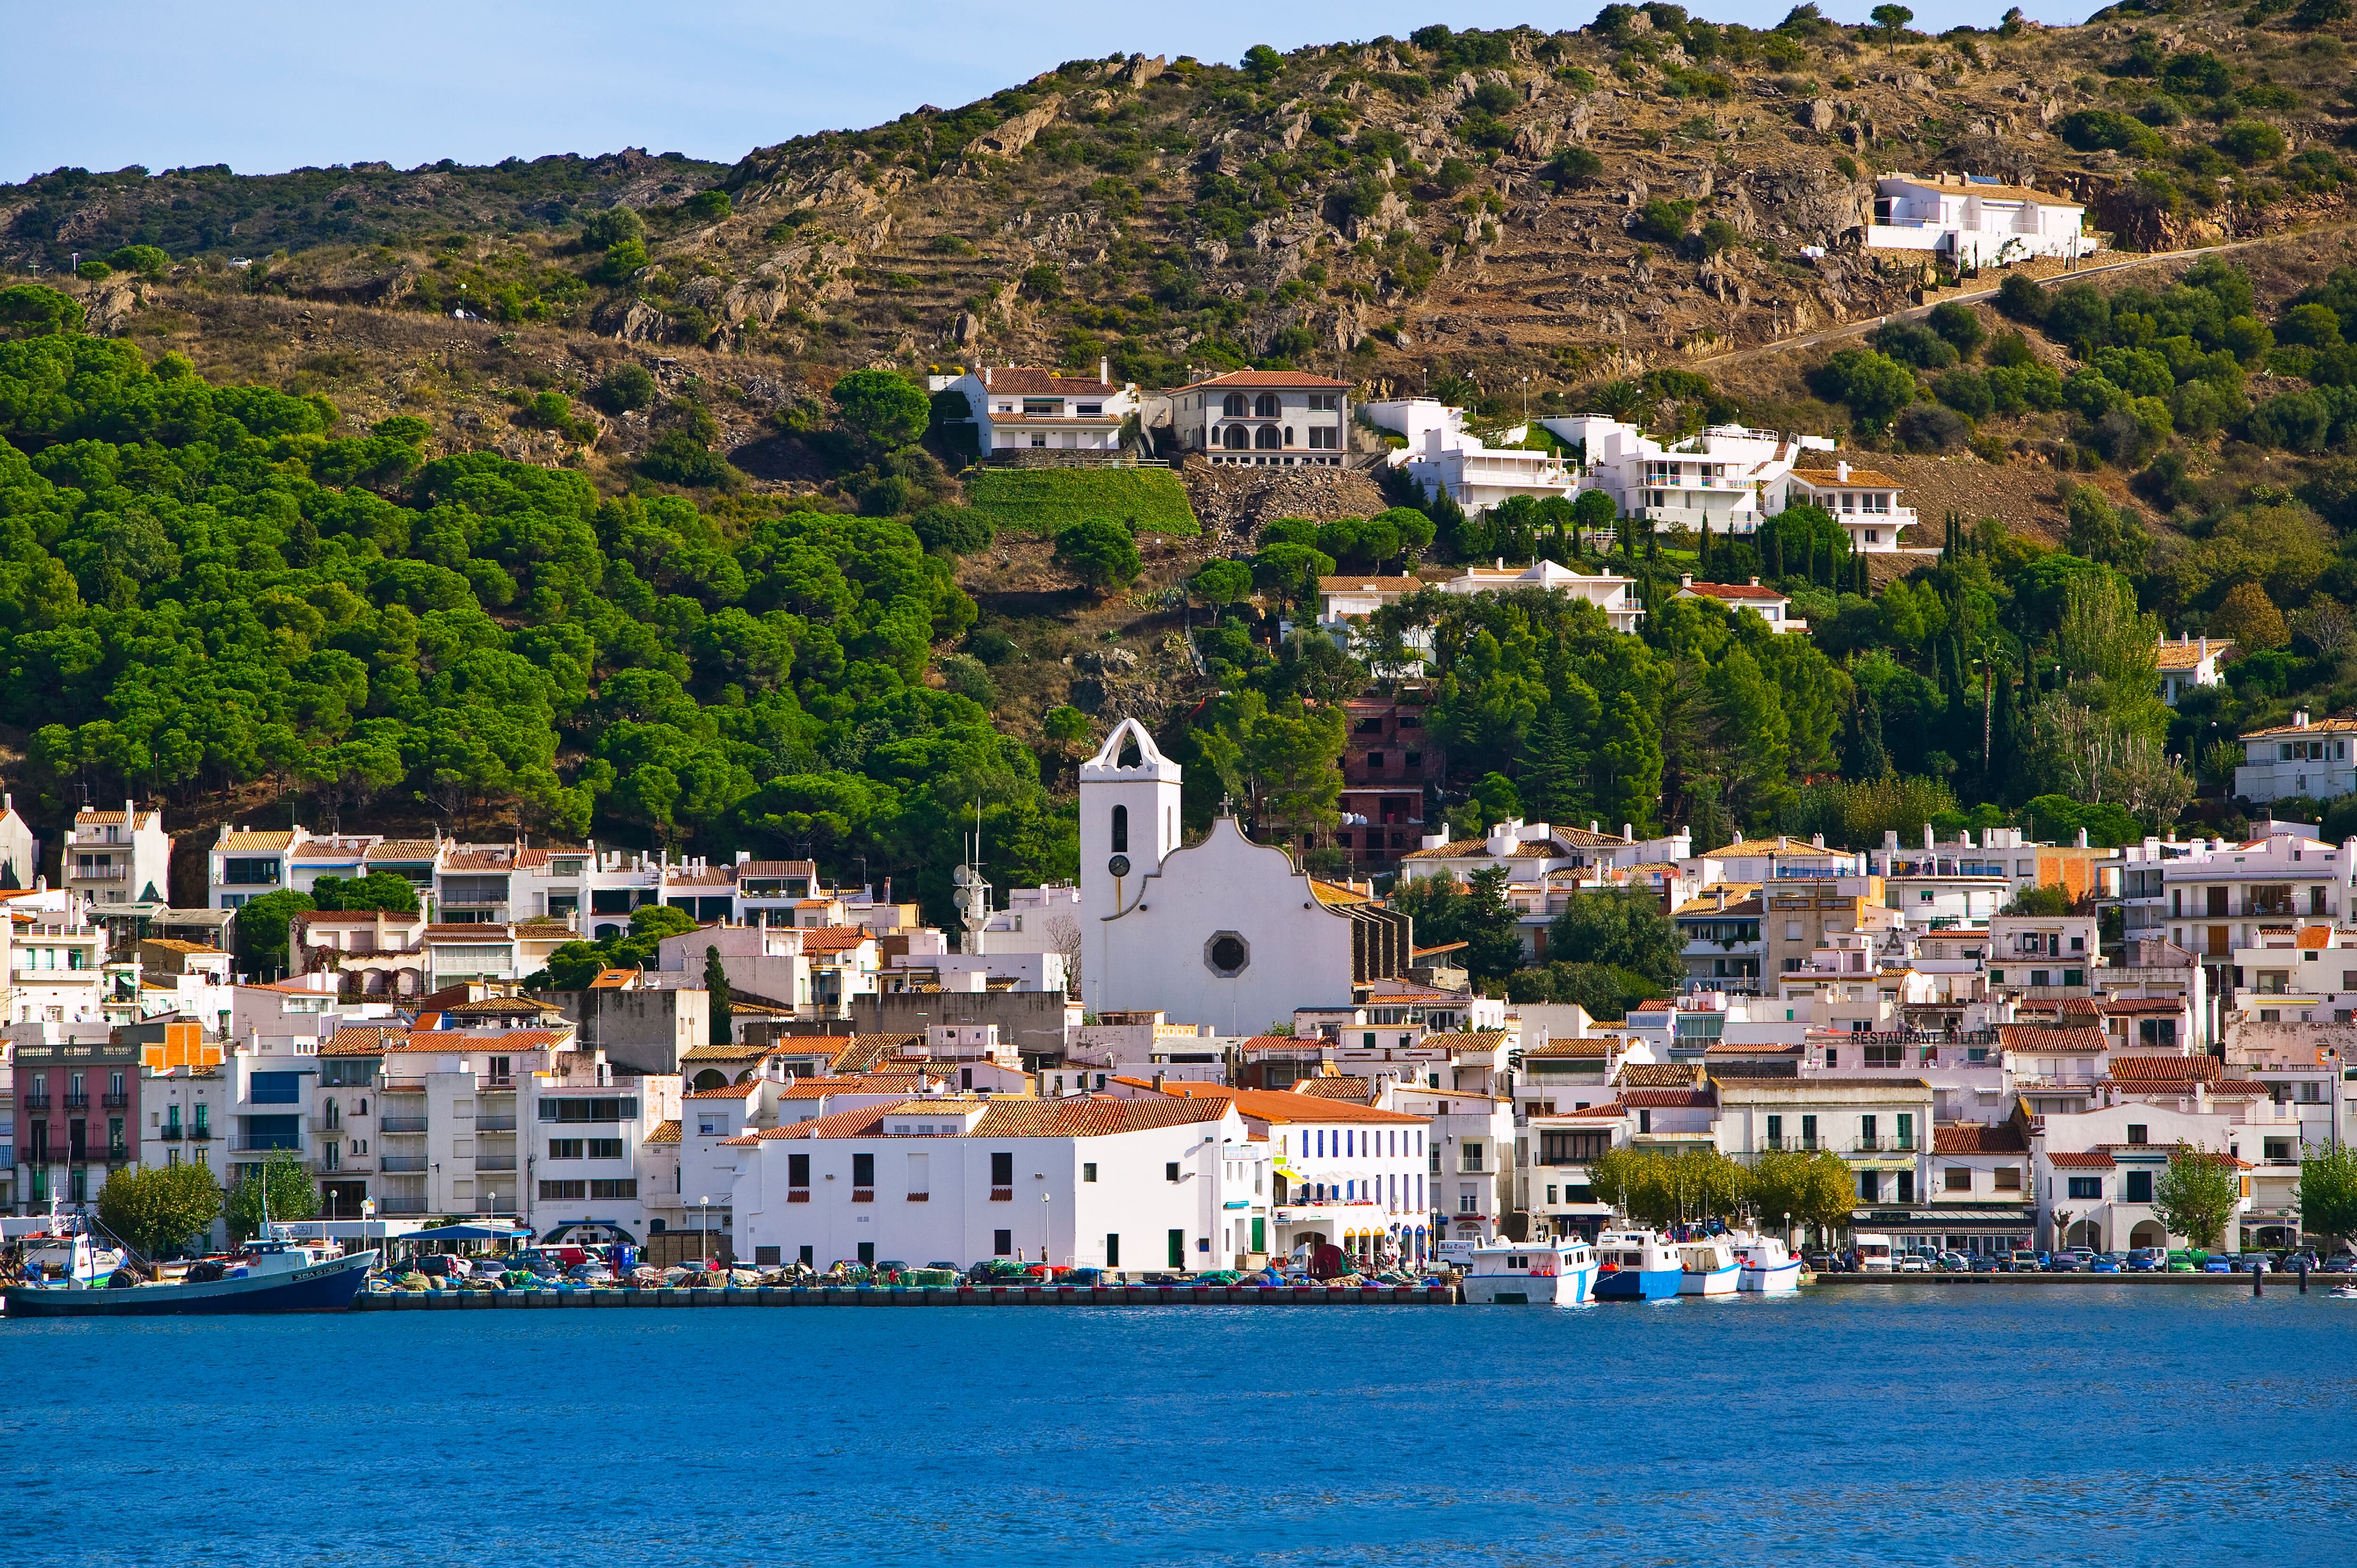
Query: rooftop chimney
x=1686, y=579
x=1841, y=471
x=1105, y=371
x=1755, y=582
x=985, y=378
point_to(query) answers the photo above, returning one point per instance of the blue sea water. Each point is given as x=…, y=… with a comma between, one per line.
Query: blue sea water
x=1998, y=1425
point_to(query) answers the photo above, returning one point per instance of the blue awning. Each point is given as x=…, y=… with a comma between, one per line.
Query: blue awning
x=464, y=1233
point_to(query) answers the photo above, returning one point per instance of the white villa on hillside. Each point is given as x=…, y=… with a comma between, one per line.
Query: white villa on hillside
x=2191, y=661
x=1769, y=606
x=1269, y=419
x=1726, y=479
x=1865, y=503
x=1015, y=409
x=1975, y=219
x=1441, y=455
x=1344, y=602
x=2298, y=759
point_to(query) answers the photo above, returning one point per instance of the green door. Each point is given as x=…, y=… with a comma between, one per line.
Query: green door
x=1260, y=1236
x=1177, y=1249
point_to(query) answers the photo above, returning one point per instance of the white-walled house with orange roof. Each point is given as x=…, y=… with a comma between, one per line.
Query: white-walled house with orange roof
x=1769, y=606
x=1865, y=502
x=2304, y=758
x=1137, y=1185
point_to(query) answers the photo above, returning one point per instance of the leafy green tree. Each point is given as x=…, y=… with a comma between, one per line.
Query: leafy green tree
x=158, y=1209
x=35, y=310
x=148, y=261
x=1221, y=582
x=262, y=930
x=612, y=225
x=1873, y=387
x=1754, y=736
x=1289, y=573
x=384, y=890
x=1622, y=928
x=1475, y=912
x=2327, y=1194
x=953, y=530
x=625, y=387
x=1262, y=63
x=708, y=205
x=881, y=408
x=1102, y=553
x=2196, y=1194
x=279, y=1178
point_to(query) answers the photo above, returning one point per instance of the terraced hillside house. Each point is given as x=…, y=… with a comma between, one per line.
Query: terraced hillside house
x=2221, y=899
x=1865, y=502
x=1726, y=479
x=1015, y=409
x=2302, y=758
x=1975, y=220
x=1262, y=419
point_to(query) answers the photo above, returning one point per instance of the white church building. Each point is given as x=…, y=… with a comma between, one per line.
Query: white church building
x=1224, y=932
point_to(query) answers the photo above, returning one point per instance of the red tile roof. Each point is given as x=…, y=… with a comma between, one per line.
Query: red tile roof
x=1020, y=379
x=2164, y=1070
x=1978, y=1138
x=1743, y=591
x=833, y=939
x=1242, y=378
x=726, y=1092
x=2036, y=1037
x=2088, y=1160
x=1666, y=1098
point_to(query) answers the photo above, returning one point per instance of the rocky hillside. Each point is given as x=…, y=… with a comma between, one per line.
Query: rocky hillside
x=1478, y=208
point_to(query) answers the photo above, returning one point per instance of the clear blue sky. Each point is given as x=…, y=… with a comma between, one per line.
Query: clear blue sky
x=270, y=85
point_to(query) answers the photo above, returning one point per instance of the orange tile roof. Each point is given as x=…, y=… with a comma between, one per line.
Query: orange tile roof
x=726, y=1092
x=833, y=939
x=2313, y=937
x=1333, y=1087
x=2187, y=655
x=1667, y=1099
x=1021, y=379
x=1656, y=1074
x=1239, y=379
x=1744, y=591
x=1279, y=1105
x=246, y=842
x=1578, y=1048
x=2087, y=1160
x=663, y=1132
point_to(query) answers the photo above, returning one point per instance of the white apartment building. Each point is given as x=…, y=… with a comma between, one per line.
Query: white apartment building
x=1148, y=1185
x=584, y=1128
x=2299, y=759
x=1723, y=478
x=1019, y=409
x=424, y=1120
x=1533, y=849
x=1976, y=220
x=121, y=862
x=1477, y=476
x=1264, y=419
x=20, y=851
x=2220, y=899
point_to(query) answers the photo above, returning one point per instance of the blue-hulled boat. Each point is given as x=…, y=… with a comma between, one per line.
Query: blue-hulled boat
x=1637, y=1265
x=267, y=1274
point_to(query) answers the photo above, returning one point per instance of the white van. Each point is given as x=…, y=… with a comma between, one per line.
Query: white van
x=1873, y=1253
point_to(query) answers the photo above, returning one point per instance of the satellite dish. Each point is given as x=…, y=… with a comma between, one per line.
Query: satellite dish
x=1118, y=866
x=963, y=875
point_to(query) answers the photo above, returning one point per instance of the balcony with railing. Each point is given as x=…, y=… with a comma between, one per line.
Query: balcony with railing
x=170, y=1133
x=406, y=1126
x=402, y=1206
x=1781, y=1143
x=1885, y=1145
x=201, y=1132
x=267, y=1143
x=77, y=1101
x=495, y=1162
x=115, y=1101
x=494, y=1123
x=410, y=1164
x=98, y=874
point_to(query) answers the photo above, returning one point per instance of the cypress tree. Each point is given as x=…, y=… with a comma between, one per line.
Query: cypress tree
x=719, y=1030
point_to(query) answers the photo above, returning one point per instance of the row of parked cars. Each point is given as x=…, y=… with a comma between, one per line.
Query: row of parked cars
x=2138, y=1260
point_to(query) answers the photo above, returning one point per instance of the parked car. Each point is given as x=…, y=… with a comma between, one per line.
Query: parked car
x=2021, y=1261
x=1821, y=1263
x=2217, y=1263
x=2340, y=1263
x=1955, y=1262
x=593, y=1273
x=2105, y=1263
x=2065, y=1263
x=1989, y=1263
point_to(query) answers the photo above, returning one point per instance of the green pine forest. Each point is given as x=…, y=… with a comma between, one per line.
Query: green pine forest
x=232, y=594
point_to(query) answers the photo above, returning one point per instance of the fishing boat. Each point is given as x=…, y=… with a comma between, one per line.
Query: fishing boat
x=1531, y=1273
x=1707, y=1267
x=1767, y=1265
x=273, y=1272
x=65, y=1254
x=1637, y=1265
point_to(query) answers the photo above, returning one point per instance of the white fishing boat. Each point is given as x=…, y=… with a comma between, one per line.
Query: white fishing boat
x=1531, y=1273
x=269, y=1273
x=1708, y=1267
x=62, y=1250
x=1765, y=1266
x=1637, y=1265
